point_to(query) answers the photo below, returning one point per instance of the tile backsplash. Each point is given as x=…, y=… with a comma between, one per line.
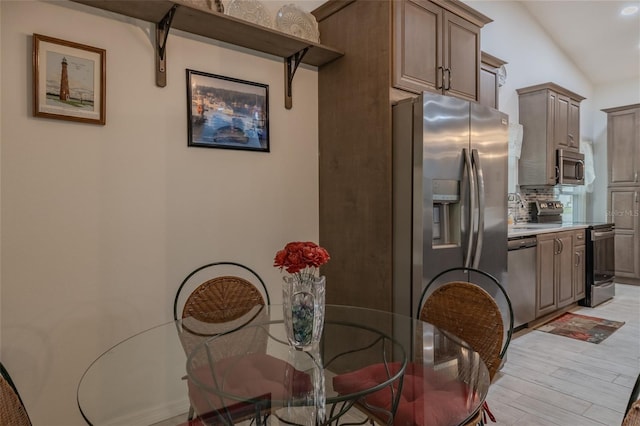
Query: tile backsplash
x=520, y=204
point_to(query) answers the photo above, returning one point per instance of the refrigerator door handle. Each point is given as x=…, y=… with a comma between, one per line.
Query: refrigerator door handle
x=481, y=205
x=472, y=205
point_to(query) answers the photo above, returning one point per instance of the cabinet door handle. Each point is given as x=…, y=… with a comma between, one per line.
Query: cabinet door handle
x=561, y=246
x=556, y=246
x=577, y=259
x=439, y=86
x=557, y=176
x=635, y=177
x=636, y=196
x=448, y=70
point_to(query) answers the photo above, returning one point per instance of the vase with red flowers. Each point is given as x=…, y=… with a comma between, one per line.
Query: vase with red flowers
x=303, y=292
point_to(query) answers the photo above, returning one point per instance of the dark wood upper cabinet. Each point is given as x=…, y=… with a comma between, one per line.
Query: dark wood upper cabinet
x=623, y=145
x=489, y=79
x=417, y=42
x=573, y=127
x=461, y=60
x=567, y=123
x=437, y=49
x=550, y=115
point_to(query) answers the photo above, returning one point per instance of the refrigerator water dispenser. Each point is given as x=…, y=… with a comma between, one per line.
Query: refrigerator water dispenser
x=446, y=213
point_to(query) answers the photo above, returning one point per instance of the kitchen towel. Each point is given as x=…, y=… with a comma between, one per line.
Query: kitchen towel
x=586, y=147
x=515, y=139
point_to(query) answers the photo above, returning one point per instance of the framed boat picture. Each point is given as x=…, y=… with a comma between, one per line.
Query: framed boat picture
x=68, y=80
x=225, y=112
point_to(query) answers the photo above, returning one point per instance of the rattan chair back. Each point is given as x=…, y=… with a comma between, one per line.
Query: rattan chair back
x=220, y=298
x=632, y=416
x=471, y=313
x=12, y=410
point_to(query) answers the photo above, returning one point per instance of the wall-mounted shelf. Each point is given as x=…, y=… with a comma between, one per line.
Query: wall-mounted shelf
x=175, y=14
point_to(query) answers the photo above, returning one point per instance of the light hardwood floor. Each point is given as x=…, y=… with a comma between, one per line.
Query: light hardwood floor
x=555, y=380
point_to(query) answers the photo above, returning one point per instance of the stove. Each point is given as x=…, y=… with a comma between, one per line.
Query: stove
x=600, y=263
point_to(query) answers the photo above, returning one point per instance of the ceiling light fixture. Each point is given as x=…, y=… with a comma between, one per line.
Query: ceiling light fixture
x=629, y=10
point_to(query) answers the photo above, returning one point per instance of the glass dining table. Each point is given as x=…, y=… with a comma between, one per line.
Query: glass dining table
x=368, y=363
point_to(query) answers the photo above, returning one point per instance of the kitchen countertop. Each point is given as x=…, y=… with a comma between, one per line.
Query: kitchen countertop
x=528, y=229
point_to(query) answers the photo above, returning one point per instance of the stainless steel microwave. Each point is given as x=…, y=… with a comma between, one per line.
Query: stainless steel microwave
x=570, y=167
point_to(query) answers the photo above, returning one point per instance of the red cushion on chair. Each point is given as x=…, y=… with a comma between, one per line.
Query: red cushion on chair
x=435, y=408
x=428, y=398
x=364, y=378
x=254, y=376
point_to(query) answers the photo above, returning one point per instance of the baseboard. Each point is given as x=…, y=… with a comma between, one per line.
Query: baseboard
x=626, y=280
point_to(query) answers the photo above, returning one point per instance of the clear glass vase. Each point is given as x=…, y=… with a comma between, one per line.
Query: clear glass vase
x=308, y=407
x=303, y=309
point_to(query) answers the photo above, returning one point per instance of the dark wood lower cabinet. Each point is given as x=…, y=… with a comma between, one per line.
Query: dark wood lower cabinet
x=560, y=272
x=546, y=298
x=564, y=266
x=624, y=208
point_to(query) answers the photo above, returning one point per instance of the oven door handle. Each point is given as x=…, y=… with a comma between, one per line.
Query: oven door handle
x=596, y=236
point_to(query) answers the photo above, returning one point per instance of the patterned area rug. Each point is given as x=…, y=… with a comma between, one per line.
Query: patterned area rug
x=581, y=327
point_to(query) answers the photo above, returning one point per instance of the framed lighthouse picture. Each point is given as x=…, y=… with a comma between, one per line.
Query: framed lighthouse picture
x=68, y=80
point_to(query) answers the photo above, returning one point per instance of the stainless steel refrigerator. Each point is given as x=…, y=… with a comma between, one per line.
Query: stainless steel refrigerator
x=450, y=194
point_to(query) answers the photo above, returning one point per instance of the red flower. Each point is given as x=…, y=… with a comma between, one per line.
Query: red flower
x=298, y=255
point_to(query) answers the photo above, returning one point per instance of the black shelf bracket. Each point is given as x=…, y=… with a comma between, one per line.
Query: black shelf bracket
x=290, y=67
x=162, y=32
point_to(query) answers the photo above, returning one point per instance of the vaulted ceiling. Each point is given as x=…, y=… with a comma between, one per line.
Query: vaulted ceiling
x=602, y=43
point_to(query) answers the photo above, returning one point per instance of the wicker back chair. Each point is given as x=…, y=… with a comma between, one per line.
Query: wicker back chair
x=632, y=416
x=219, y=292
x=471, y=313
x=12, y=410
x=217, y=298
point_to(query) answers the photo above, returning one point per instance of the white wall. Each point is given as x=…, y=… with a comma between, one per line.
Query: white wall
x=101, y=223
x=533, y=58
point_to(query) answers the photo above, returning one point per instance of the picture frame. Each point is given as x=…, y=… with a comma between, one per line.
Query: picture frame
x=69, y=80
x=225, y=112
